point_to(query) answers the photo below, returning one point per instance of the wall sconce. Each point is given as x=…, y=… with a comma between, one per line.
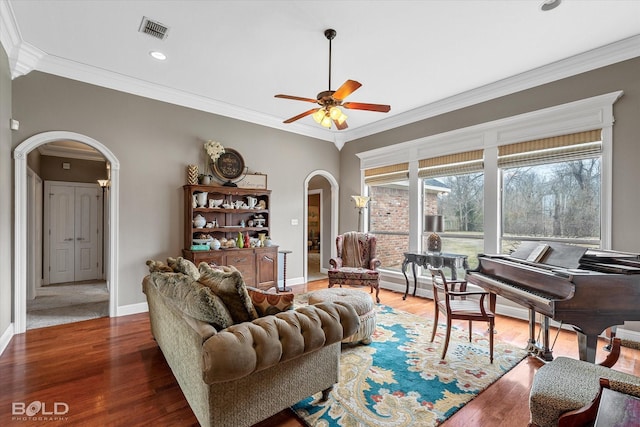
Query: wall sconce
x=361, y=203
x=434, y=224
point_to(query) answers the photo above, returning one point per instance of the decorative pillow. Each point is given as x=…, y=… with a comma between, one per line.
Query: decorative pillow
x=267, y=303
x=158, y=266
x=193, y=298
x=227, y=283
x=184, y=266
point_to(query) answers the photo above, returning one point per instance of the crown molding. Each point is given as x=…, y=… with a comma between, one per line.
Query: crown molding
x=25, y=58
x=71, y=152
x=600, y=57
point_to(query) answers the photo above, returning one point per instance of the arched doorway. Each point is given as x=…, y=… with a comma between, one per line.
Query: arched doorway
x=20, y=233
x=329, y=216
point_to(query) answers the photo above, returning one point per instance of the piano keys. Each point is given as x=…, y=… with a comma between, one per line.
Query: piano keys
x=588, y=289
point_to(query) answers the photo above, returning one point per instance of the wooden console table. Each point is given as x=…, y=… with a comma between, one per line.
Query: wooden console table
x=433, y=259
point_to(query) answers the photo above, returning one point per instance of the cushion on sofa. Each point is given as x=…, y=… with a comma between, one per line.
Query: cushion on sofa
x=227, y=283
x=193, y=298
x=267, y=303
x=184, y=266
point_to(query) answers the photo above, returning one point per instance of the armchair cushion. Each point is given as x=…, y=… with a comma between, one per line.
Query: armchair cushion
x=227, y=283
x=192, y=298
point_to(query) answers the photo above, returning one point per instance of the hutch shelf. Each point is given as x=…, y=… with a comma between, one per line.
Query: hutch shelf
x=258, y=264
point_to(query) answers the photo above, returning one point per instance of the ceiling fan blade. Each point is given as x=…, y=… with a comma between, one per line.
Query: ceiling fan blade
x=299, y=116
x=369, y=107
x=340, y=126
x=296, y=98
x=346, y=89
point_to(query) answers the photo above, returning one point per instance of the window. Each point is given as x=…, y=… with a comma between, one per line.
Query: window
x=551, y=190
x=388, y=188
x=453, y=186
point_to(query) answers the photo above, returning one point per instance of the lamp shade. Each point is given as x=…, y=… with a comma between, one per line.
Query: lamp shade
x=361, y=201
x=434, y=223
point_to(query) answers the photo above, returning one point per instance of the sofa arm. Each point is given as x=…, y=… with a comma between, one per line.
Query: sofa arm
x=267, y=303
x=253, y=346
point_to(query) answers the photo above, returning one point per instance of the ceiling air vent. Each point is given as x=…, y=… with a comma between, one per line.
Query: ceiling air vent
x=153, y=28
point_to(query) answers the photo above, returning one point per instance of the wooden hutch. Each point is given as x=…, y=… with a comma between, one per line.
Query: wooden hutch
x=258, y=265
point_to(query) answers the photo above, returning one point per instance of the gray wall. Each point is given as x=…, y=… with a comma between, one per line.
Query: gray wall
x=626, y=137
x=6, y=191
x=154, y=142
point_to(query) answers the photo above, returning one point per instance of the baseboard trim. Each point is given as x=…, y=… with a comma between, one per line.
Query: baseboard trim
x=5, y=339
x=125, y=310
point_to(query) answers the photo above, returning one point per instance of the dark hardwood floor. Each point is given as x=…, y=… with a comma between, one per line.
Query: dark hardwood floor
x=110, y=372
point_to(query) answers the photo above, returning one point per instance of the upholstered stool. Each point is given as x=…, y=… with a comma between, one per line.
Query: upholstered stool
x=567, y=384
x=362, y=303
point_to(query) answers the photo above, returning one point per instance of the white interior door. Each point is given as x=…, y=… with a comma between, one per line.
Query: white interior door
x=86, y=233
x=72, y=212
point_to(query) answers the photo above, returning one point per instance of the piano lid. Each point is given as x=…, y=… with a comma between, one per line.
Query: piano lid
x=559, y=254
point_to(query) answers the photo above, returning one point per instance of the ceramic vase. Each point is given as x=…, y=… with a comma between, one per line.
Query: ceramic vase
x=192, y=174
x=202, y=199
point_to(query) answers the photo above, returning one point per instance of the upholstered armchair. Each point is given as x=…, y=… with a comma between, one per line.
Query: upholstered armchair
x=356, y=263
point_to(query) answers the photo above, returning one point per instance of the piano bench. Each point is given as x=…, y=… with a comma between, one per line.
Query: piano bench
x=565, y=385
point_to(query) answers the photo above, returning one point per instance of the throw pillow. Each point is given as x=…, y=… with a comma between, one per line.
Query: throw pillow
x=193, y=298
x=184, y=266
x=158, y=266
x=227, y=283
x=267, y=303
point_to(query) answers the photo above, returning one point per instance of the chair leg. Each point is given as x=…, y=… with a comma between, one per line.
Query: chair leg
x=446, y=339
x=470, y=329
x=435, y=324
x=491, y=325
x=377, y=292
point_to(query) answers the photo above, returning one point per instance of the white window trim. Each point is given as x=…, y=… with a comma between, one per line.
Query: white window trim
x=586, y=114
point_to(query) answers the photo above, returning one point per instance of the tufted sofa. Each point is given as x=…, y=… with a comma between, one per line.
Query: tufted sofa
x=234, y=367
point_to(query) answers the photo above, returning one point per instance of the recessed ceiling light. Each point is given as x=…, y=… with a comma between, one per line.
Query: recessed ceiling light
x=549, y=5
x=158, y=55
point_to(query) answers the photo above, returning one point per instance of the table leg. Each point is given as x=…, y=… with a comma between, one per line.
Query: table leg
x=415, y=279
x=404, y=271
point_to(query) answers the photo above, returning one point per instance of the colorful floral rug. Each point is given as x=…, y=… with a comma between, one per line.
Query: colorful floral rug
x=400, y=380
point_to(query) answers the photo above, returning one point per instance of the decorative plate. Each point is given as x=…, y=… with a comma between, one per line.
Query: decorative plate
x=230, y=165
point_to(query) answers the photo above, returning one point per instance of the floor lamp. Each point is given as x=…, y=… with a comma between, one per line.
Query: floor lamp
x=103, y=183
x=361, y=203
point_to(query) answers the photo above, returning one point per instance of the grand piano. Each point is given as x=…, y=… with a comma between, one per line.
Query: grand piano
x=590, y=289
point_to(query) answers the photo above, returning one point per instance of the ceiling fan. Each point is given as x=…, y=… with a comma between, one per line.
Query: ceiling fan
x=330, y=100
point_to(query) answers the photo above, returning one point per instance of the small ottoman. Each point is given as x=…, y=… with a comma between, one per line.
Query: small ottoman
x=361, y=302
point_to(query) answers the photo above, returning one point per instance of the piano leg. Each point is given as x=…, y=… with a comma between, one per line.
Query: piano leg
x=587, y=346
x=543, y=352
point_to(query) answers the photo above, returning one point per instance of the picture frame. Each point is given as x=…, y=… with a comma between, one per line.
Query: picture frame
x=253, y=180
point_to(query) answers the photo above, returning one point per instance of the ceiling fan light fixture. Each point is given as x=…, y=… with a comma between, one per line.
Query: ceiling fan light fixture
x=343, y=118
x=326, y=121
x=335, y=113
x=318, y=115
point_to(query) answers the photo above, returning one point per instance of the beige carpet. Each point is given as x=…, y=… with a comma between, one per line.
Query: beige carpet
x=67, y=303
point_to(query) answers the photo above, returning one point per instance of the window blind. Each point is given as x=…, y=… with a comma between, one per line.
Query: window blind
x=386, y=174
x=451, y=164
x=562, y=148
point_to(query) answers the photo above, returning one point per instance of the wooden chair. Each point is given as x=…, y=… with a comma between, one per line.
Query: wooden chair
x=586, y=415
x=450, y=298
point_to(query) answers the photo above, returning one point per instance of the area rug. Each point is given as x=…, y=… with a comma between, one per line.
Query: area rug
x=400, y=380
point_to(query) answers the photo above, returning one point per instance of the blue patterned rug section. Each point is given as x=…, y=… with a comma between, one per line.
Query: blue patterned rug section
x=400, y=380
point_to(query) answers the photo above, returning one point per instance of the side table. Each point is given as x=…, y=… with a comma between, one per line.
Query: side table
x=284, y=253
x=433, y=259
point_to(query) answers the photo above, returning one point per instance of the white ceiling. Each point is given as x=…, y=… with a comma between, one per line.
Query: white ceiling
x=232, y=57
